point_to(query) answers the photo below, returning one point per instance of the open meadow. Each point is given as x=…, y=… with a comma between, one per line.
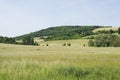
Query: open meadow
x=58, y=62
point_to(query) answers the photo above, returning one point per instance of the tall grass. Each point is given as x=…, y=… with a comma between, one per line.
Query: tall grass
x=26, y=71
x=58, y=63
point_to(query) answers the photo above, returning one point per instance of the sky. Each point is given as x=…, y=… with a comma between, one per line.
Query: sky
x=18, y=17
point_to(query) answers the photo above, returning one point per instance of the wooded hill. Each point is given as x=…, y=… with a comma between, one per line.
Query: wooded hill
x=63, y=32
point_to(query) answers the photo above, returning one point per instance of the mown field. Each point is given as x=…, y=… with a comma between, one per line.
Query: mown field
x=57, y=62
x=106, y=29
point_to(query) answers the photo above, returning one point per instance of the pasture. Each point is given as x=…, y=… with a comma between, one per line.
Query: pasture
x=57, y=62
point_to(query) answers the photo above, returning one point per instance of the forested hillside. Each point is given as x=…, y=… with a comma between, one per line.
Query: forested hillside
x=63, y=32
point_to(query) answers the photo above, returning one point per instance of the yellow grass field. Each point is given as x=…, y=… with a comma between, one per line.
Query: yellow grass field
x=106, y=29
x=57, y=62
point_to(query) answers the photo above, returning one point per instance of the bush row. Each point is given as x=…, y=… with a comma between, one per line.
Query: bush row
x=105, y=40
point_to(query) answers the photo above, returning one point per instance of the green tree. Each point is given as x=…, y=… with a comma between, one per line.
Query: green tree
x=116, y=43
x=47, y=45
x=7, y=40
x=27, y=40
x=64, y=44
x=1, y=39
x=105, y=40
x=91, y=42
x=119, y=30
x=68, y=44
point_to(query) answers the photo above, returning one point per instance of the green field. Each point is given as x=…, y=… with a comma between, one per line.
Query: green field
x=57, y=62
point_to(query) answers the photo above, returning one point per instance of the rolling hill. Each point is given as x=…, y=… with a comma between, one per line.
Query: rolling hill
x=62, y=32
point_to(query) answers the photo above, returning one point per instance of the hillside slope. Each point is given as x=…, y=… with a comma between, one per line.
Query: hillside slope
x=62, y=32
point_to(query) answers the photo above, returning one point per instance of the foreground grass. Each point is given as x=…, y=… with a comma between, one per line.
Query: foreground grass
x=57, y=62
x=25, y=71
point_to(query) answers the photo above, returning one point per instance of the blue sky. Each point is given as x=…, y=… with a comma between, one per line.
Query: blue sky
x=19, y=17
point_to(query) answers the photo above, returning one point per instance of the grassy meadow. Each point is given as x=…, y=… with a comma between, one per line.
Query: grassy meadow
x=57, y=62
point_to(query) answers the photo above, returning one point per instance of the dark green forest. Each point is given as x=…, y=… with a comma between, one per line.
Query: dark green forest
x=62, y=32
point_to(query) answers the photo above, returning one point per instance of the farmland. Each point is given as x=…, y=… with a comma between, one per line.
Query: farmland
x=106, y=29
x=57, y=62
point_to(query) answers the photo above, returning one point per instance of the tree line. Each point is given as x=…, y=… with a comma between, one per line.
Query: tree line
x=27, y=40
x=7, y=40
x=106, y=31
x=105, y=40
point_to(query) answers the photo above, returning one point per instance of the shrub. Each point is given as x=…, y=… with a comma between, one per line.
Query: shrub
x=36, y=43
x=47, y=45
x=27, y=40
x=116, y=43
x=119, y=30
x=105, y=40
x=64, y=44
x=68, y=44
x=91, y=42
